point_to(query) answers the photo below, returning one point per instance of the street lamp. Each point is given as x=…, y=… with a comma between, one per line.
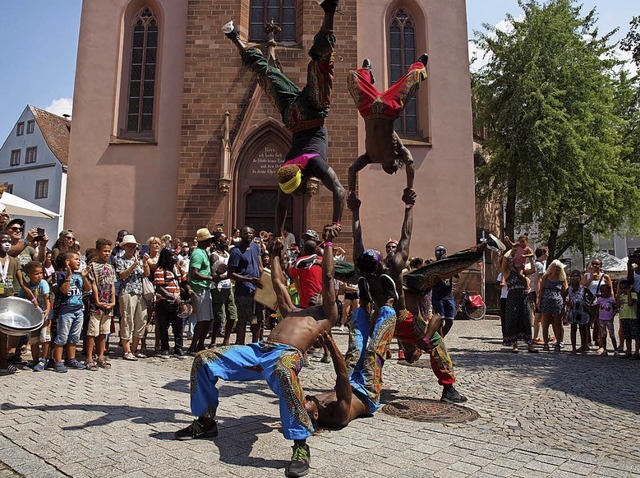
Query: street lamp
x=582, y=220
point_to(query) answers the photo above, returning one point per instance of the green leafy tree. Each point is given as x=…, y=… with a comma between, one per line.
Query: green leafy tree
x=547, y=97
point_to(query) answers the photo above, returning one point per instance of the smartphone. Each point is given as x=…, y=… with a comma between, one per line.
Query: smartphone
x=144, y=250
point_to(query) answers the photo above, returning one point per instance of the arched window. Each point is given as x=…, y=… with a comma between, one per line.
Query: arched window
x=142, y=74
x=283, y=13
x=402, y=54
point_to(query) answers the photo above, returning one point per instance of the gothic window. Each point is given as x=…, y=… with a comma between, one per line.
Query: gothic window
x=402, y=54
x=142, y=72
x=283, y=13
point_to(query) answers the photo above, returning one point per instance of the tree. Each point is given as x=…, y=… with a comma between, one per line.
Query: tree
x=547, y=97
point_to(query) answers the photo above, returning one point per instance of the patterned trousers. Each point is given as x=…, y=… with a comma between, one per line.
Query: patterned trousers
x=277, y=364
x=389, y=104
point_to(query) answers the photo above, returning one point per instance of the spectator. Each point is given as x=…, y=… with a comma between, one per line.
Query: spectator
x=442, y=296
x=10, y=280
x=594, y=279
x=517, y=319
x=550, y=302
x=540, y=265
x=307, y=273
x=103, y=278
x=65, y=243
x=289, y=239
x=37, y=291
x=20, y=248
x=235, y=237
x=169, y=279
x=48, y=269
x=578, y=300
x=199, y=281
x=70, y=284
x=155, y=244
x=224, y=305
x=133, y=308
x=627, y=301
x=245, y=268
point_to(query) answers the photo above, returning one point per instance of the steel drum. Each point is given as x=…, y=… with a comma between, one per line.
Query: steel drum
x=19, y=317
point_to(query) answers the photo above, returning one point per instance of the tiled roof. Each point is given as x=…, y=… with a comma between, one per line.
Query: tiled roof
x=56, y=131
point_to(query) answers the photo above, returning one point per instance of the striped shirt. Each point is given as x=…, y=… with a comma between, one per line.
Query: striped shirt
x=169, y=280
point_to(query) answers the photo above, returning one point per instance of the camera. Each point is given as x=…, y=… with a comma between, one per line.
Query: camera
x=40, y=236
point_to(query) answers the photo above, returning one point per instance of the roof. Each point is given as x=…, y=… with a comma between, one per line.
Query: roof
x=56, y=131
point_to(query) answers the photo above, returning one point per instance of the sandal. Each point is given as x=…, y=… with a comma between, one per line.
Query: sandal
x=129, y=356
x=10, y=370
x=91, y=366
x=102, y=363
x=140, y=355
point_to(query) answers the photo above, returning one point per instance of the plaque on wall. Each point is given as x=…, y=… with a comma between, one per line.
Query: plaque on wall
x=266, y=162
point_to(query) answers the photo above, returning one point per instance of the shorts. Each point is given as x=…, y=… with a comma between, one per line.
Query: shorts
x=41, y=336
x=351, y=296
x=99, y=324
x=69, y=327
x=246, y=309
x=631, y=328
x=445, y=307
x=202, y=306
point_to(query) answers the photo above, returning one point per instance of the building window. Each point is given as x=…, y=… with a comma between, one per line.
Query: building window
x=142, y=74
x=42, y=189
x=402, y=54
x=30, y=126
x=15, y=157
x=31, y=155
x=20, y=129
x=283, y=13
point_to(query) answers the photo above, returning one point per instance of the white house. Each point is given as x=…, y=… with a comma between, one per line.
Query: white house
x=33, y=162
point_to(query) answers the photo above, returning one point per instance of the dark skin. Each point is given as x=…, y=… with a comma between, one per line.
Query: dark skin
x=336, y=409
x=247, y=235
x=302, y=327
x=202, y=328
x=330, y=180
x=384, y=147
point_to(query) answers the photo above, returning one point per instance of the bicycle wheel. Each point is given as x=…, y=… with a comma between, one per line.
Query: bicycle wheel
x=475, y=313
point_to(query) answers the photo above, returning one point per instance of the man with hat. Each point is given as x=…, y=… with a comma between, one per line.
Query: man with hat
x=245, y=268
x=200, y=281
x=303, y=113
x=132, y=305
x=20, y=247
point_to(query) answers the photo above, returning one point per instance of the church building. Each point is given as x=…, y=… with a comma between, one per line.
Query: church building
x=171, y=133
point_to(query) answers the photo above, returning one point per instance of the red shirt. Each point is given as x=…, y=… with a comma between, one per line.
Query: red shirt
x=309, y=281
x=170, y=281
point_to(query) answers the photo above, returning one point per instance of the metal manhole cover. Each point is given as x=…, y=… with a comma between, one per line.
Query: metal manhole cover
x=430, y=411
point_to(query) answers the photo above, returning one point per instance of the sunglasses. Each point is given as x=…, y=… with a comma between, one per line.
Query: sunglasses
x=17, y=229
x=70, y=238
x=5, y=239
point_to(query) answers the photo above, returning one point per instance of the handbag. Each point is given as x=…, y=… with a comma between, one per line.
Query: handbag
x=148, y=290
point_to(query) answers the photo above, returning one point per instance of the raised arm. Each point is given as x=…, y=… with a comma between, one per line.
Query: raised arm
x=344, y=392
x=285, y=304
x=407, y=159
x=281, y=212
x=328, y=291
x=402, y=253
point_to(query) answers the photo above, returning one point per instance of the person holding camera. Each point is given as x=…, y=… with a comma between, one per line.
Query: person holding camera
x=131, y=268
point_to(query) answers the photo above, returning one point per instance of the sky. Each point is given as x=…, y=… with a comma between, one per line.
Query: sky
x=39, y=43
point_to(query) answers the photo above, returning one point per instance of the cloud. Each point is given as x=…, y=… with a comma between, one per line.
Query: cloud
x=481, y=57
x=61, y=106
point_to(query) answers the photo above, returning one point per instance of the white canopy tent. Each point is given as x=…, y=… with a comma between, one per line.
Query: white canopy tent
x=16, y=206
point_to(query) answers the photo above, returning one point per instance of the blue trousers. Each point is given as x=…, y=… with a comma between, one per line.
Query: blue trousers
x=369, y=340
x=278, y=364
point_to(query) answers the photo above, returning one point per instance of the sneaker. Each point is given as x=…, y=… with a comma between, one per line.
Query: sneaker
x=60, y=368
x=41, y=365
x=494, y=243
x=367, y=64
x=179, y=353
x=164, y=354
x=424, y=58
x=73, y=363
x=51, y=364
x=230, y=30
x=451, y=395
x=197, y=430
x=300, y=460
x=306, y=262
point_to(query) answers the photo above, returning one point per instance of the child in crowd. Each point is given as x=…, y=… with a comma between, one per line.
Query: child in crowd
x=627, y=302
x=36, y=289
x=578, y=299
x=70, y=284
x=10, y=280
x=519, y=255
x=103, y=278
x=606, y=310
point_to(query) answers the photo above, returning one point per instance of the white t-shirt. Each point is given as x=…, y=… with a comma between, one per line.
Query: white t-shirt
x=537, y=275
x=217, y=259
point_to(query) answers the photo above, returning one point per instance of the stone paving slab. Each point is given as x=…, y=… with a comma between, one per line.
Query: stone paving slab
x=546, y=414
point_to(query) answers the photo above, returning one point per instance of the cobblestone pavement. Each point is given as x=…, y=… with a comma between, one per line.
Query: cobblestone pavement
x=546, y=414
